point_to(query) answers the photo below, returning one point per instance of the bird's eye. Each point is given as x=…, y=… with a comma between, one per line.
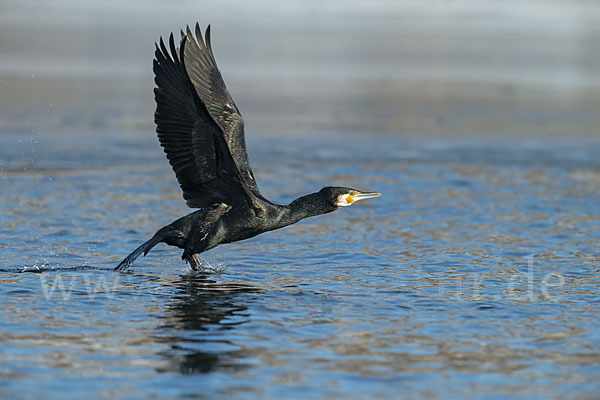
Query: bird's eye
x=352, y=193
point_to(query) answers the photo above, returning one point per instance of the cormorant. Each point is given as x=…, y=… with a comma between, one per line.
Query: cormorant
x=202, y=133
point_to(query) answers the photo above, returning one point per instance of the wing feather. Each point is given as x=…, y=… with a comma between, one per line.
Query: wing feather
x=209, y=86
x=193, y=142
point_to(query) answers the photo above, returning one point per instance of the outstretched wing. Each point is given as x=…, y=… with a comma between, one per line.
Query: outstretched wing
x=194, y=143
x=202, y=69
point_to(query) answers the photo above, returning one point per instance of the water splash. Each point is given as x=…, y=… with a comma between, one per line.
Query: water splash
x=207, y=267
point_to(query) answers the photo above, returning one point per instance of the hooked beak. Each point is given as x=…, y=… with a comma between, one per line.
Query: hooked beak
x=365, y=195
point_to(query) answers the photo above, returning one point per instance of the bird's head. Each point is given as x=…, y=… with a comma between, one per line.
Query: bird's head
x=324, y=201
x=340, y=197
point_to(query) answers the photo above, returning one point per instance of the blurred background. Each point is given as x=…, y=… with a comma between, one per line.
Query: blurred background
x=480, y=68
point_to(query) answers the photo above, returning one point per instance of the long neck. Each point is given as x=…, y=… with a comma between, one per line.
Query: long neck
x=303, y=207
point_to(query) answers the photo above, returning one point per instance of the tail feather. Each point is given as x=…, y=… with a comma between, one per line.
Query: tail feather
x=145, y=248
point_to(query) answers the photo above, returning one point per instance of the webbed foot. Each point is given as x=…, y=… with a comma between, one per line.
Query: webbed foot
x=195, y=262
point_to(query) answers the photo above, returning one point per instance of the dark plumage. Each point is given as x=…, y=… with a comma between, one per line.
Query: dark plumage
x=202, y=133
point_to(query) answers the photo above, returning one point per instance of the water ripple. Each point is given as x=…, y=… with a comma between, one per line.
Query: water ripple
x=469, y=271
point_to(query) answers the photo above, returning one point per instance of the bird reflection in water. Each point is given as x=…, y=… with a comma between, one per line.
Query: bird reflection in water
x=212, y=310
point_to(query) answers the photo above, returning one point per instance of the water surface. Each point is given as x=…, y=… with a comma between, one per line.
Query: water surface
x=475, y=274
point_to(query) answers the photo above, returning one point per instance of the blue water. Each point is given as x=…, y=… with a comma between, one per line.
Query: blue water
x=474, y=275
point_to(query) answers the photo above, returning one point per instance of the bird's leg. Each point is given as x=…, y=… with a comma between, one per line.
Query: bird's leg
x=195, y=262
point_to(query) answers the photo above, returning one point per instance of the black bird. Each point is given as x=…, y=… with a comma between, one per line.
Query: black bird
x=202, y=133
